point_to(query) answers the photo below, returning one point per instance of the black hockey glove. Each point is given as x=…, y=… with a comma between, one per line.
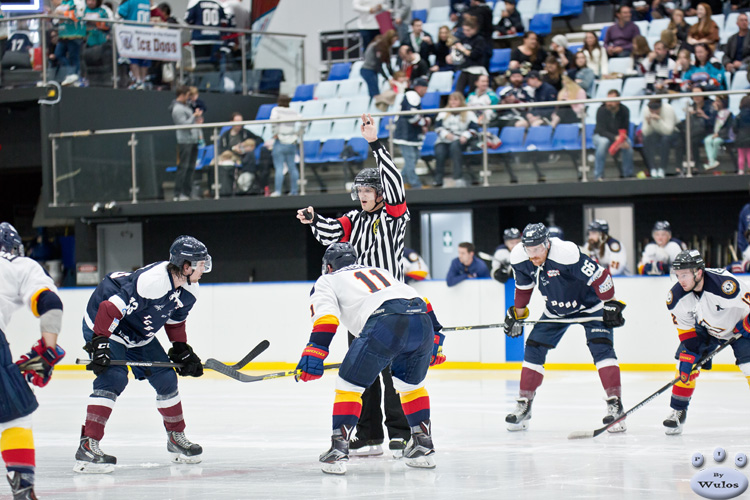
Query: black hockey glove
x=503, y=273
x=613, y=313
x=191, y=363
x=513, y=323
x=98, y=348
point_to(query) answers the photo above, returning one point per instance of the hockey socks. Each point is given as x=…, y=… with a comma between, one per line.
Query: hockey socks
x=532, y=376
x=682, y=392
x=609, y=374
x=416, y=405
x=347, y=407
x=17, y=447
x=170, y=407
x=98, y=412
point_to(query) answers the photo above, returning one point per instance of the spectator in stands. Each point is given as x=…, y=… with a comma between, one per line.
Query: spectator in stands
x=458, y=7
x=619, y=38
x=737, y=50
x=481, y=13
x=658, y=130
x=139, y=11
x=571, y=91
x=542, y=92
x=658, y=67
x=510, y=20
x=514, y=93
x=705, y=30
x=469, y=55
x=641, y=9
x=596, y=56
x=679, y=28
x=553, y=72
x=670, y=42
x=96, y=30
x=3, y=35
x=742, y=141
x=419, y=41
x=701, y=115
x=236, y=148
x=465, y=266
x=714, y=5
x=442, y=49
x=187, y=142
x=559, y=48
x=703, y=72
x=483, y=95
x=410, y=130
x=681, y=66
x=71, y=36
x=454, y=131
x=529, y=55
x=611, y=136
x=367, y=24
x=19, y=48
x=640, y=52
x=377, y=59
x=412, y=64
x=284, y=146
x=401, y=17
x=582, y=74
x=722, y=132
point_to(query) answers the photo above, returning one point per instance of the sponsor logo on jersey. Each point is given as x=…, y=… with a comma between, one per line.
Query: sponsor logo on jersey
x=158, y=307
x=669, y=297
x=375, y=226
x=719, y=308
x=552, y=273
x=728, y=287
x=614, y=246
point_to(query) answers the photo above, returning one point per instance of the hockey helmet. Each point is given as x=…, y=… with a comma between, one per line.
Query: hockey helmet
x=512, y=233
x=338, y=256
x=367, y=177
x=662, y=225
x=600, y=225
x=188, y=248
x=556, y=232
x=535, y=234
x=688, y=259
x=10, y=241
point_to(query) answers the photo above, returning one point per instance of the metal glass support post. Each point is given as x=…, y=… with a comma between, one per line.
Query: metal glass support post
x=45, y=57
x=114, y=64
x=243, y=51
x=584, y=167
x=217, y=184
x=302, y=48
x=134, y=189
x=485, y=156
x=688, y=143
x=302, y=180
x=54, y=172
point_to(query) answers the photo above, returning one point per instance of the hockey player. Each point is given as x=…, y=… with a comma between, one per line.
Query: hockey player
x=604, y=249
x=658, y=255
x=377, y=232
x=392, y=327
x=575, y=289
x=23, y=282
x=121, y=320
x=415, y=268
x=707, y=306
x=501, y=270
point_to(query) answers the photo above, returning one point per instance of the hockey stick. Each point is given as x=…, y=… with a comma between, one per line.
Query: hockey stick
x=525, y=322
x=699, y=364
x=242, y=377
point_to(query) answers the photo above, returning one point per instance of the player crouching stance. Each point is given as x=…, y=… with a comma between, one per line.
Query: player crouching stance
x=708, y=306
x=575, y=289
x=24, y=282
x=122, y=317
x=393, y=327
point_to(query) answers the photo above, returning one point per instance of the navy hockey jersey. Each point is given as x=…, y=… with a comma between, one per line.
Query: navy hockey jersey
x=208, y=13
x=147, y=299
x=19, y=42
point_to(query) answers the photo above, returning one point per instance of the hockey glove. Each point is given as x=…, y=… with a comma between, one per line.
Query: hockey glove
x=310, y=366
x=503, y=273
x=437, y=350
x=687, y=360
x=191, y=364
x=656, y=269
x=98, y=348
x=612, y=315
x=37, y=364
x=513, y=326
x=743, y=327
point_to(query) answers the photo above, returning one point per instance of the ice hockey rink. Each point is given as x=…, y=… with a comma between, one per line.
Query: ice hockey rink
x=262, y=439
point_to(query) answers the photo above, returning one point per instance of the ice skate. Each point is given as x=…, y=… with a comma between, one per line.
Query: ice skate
x=397, y=445
x=334, y=460
x=419, y=451
x=365, y=447
x=614, y=411
x=519, y=419
x=19, y=492
x=673, y=423
x=183, y=451
x=91, y=459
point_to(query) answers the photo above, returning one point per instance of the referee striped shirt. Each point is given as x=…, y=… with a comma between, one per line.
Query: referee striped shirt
x=378, y=237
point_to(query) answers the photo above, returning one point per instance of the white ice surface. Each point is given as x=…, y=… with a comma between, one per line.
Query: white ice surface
x=261, y=440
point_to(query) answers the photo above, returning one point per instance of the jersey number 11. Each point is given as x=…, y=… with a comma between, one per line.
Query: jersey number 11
x=367, y=281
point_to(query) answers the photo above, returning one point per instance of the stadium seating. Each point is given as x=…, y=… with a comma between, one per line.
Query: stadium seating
x=304, y=92
x=431, y=100
x=354, y=74
x=339, y=71
x=312, y=108
x=500, y=60
x=383, y=127
x=607, y=85
x=326, y=90
x=361, y=147
x=264, y=111
x=329, y=153
x=350, y=88
x=320, y=129
x=441, y=14
x=623, y=65
x=541, y=24
x=420, y=14
x=570, y=8
x=345, y=128
x=335, y=107
x=548, y=7
x=441, y=81
x=635, y=85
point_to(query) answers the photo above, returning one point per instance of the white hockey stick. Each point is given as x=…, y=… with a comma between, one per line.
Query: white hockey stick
x=572, y=321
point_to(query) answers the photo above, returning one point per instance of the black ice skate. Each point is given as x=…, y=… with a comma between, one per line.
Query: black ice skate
x=365, y=447
x=91, y=459
x=614, y=411
x=20, y=493
x=334, y=460
x=519, y=419
x=397, y=445
x=674, y=421
x=419, y=451
x=183, y=451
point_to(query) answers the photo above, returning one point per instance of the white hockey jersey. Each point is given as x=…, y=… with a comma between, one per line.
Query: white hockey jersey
x=665, y=254
x=351, y=294
x=614, y=257
x=723, y=303
x=22, y=280
x=415, y=268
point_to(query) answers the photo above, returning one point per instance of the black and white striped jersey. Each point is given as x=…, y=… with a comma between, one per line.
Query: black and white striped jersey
x=378, y=237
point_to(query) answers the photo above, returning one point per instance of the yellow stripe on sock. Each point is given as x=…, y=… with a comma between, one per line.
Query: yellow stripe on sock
x=412, y=395
x=17, y=438
x=347, y=397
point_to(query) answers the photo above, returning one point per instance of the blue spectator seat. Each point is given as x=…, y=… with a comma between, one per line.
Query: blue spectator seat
x=428, y=145
x=264, y=111
x=361, y=147
x=329, y=153
x=500, y=60
x=311, y=149
x=603, y=32
x=541, y=24
x=420, y=14
x=339, y=71
x=431, y=100
x=590, y=135
x=304, y=92
x=512, y=138
x=205, y=157
x=566, y=137
x=539, y=139
x=383, y=127
x=271, y=79
x=571, y=8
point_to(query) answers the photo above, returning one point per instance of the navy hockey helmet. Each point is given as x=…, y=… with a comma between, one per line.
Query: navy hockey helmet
x=338, y=256
x=556, y=232
x=535, y=234
x=688, y=259
x=512, y=233
x=10, y=241
x=662, y=225
x=188, y=248
x=600, y=225
x=367, y=177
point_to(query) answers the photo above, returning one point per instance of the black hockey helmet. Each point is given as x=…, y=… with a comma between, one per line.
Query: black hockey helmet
x=662, y=225
x=512, y=233
x=556, y=232
x=367, y=177
x=10, y=241
x=535, y=234
x=188, y=248
x=688, y=259
x=338, y=256
x=600, y=225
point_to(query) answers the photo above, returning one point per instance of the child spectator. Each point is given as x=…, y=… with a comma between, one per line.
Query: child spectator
x=569, y=114
x=454, y=130
x=71, y=35
x=95, y=29
x=722, y=132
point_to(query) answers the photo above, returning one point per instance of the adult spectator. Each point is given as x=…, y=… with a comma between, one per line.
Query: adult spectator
x=514, y=93
x=714, y=5
x=19, y=48
x=559, y=48
x=442, y=49
x=619, y=38
x=540, y=91
x=419, y=41
x=737, y=50
x=743, y=221
x=569, y=114
x=641, y=9
x=187, y=142
x=465, y=266
x=582, y=74
x=410, y=131
x=596, y=57
x=377, y=61
x=284, y=146
x=721, y=133
x=611, y=136
x=658, y=130
x=701, y=115
x=457, y=8
x=236, y=149
x=742, y=135
x=704, y=73
x=553, y=72
x=510, y=23
x=469, y=55
x=454, y=131
x=207, y=42
x=366, y=22
x=670, y=42
x=529, y=55
x=401, y=17
x=501, y=269
x=640, y=53
x=481, y=13
x=658, y=255
x=679, y=28
x=657, y=68
x=483, y=95
x=705, y=30
x=412, y=64
x=71, y=37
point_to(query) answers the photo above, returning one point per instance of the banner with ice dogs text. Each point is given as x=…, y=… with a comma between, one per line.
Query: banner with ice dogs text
x=148, y=43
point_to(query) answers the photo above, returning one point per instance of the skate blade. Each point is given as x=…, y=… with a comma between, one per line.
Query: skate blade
x=397, y=454
x=89, y=468
x=367, y=451
x=673, y=431
x=427, y=462
x=518, y=427
x=338, y=468
x=179, y=458
x=621, y=427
